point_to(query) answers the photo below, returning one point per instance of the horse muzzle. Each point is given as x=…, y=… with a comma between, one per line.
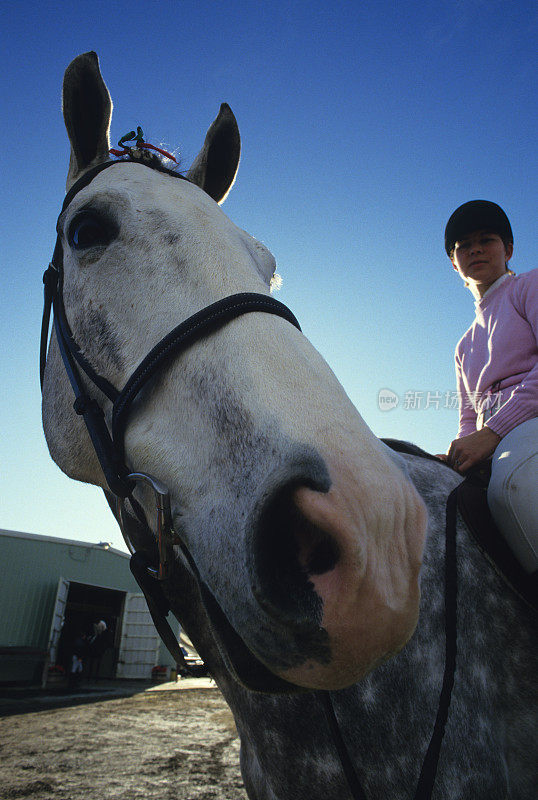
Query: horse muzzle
x=339, y=583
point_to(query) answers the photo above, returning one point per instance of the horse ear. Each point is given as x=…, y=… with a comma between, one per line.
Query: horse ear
x=87, y=110
x=215, y=167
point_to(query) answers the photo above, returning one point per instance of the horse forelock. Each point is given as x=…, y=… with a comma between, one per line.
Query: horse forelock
x=172, y=162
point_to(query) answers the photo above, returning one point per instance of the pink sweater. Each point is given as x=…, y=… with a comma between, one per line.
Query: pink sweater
x=497, y=358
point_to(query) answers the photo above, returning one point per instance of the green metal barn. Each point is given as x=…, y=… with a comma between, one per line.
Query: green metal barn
x=51, y=589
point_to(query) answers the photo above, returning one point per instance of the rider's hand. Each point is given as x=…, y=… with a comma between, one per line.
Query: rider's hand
x=469, y=450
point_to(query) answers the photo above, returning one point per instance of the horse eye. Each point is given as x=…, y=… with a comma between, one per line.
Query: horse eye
x=87, y=230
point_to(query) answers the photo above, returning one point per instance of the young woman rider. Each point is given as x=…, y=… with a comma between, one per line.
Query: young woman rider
x=497, y=372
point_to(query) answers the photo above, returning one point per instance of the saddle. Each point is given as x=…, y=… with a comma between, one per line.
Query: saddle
x=473, y=507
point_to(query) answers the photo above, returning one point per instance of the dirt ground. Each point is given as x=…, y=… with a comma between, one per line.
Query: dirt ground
x=155, y=745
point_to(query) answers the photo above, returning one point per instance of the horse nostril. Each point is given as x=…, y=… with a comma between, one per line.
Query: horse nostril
x=286, y=549
x=317, y=551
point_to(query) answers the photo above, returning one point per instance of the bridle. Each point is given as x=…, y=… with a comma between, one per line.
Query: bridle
x=149, y=572
x=149, y=564
x=109, y=444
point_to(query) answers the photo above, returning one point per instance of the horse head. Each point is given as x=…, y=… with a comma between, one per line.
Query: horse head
x=304, y=528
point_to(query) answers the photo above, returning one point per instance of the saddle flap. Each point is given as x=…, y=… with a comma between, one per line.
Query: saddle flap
x=474, y=510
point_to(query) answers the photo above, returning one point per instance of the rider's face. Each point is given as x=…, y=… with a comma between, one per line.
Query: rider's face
x=481, y=258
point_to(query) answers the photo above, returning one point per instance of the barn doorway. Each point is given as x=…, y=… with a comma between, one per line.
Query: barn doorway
x=86, y=605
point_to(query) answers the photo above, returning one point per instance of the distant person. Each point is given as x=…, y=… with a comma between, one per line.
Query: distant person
x=79, y=651
x=497, y=373
x=98, y=642
x=97, y=639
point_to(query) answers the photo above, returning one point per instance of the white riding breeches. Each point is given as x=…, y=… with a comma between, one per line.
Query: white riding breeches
x=513, y=492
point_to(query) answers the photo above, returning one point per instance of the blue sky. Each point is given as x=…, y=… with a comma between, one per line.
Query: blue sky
x=363, y=124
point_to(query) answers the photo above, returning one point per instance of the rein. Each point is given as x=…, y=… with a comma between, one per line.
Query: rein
x=109, y=448
x=428, y=772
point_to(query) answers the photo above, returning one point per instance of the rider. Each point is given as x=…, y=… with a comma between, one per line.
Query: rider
x=497, y=372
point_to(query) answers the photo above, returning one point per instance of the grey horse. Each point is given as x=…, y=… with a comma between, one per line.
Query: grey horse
x=308, y=559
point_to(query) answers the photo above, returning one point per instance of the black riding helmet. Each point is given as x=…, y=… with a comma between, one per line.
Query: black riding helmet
x=474, y=216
